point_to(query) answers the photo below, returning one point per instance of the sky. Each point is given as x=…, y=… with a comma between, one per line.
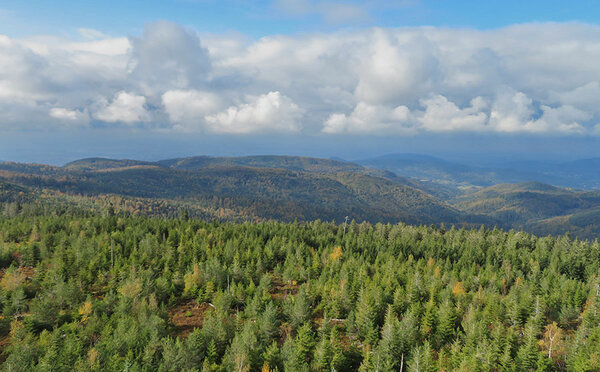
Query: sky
x=468, y=80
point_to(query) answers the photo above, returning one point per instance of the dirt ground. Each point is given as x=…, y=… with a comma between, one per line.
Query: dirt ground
x=187, y=316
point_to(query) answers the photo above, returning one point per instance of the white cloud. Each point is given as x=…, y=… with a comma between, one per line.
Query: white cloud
x=168, y=56
x=125, y=108
x=396, y=70
x=22, y=73
x=90, y=33
x=510, y=113
x=187, y=108
x=268, y=112
x=370, y=119
x=513, y=112
x=536, y=78
x=564, y=119
x=442, y=115
x=69, y=116
x=584, y=97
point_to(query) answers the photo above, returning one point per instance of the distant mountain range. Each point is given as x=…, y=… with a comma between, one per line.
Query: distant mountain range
x=537, y=207
x=406, y=188
x=579, y=174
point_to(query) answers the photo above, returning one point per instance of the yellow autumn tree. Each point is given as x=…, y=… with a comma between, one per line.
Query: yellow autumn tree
x=336, y=254
x=12, y=279
x=85, y=310
x=131, y=289
x=458, y=289
x=552, y=340
x=518, y=281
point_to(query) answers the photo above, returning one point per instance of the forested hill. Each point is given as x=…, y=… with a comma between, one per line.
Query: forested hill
x=114, y=293
x=537, y=207
x=297, y=163
x=10, y=193
x=289, y=188
x=282, y=188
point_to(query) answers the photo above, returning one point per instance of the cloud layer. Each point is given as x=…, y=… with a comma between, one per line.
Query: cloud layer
x=532, y=78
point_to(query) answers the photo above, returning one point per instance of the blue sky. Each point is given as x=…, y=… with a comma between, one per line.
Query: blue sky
x=156, y=79
x=261, y=18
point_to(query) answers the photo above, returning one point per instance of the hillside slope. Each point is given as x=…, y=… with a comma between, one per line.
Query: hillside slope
x=288, y=188
x=580, y=174
x=271, y=188
x=537, y=207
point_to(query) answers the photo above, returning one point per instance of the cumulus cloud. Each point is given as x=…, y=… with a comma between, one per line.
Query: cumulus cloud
x=23, y=73
x=124, y=108
x=69, y=116
x=369, y=119
x=187, y=108
x=514, y=112
x=396, y=68
x=267, y=112
x=442, y=115
x=438, y=115
x=168, y=56
x=535, y=78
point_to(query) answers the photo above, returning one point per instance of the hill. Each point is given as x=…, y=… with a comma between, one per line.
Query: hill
x=287, y=188
x=537, y=207
x=303, y=164
x=91, y=164
x=284, y=188
x=434, y=170
x=580, y=174
x=294, y=163
x=14, y=193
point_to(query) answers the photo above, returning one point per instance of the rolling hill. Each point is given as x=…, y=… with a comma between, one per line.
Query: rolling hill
x=288, y=188
x=284, y=188
x=454, y=175
x=537, y=207
x=579, y=174
x=13, y=193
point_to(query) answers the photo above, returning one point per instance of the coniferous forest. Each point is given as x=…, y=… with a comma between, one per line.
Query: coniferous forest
x=91, y=291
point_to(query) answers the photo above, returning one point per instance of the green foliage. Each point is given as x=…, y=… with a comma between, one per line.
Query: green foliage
x=114, y=292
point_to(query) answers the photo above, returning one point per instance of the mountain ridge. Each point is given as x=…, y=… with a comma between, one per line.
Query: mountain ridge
x=268, y=186
x=292, y=187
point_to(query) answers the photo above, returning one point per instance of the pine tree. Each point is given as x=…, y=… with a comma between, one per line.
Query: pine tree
x=446, y=329
x=292, y=358
x=422, y=359
x=305, y=341
x=323, y=354
x=338, y=358
x=429, y=320
x=368, y=361
x=366, y=318
x=271, y=357
x=269, y=322
x=391, y=345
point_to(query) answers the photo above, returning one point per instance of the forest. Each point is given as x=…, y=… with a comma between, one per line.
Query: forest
x=289, y=188
x=90, y=290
